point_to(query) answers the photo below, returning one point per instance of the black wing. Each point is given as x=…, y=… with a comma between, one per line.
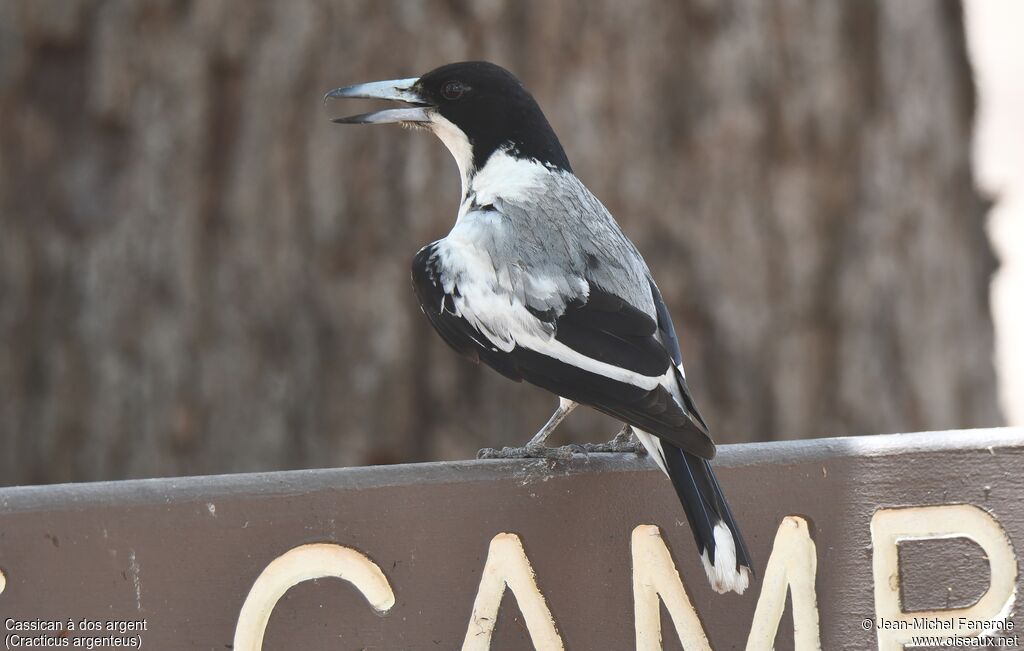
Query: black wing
x=671, y=341
x=604, y=328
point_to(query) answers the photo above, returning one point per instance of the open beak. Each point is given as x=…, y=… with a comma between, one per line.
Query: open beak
x=396, y=90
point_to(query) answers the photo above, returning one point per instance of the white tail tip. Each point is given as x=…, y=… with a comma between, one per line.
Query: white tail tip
x=723, y=574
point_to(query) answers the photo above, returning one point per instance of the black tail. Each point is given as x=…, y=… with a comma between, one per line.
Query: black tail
x=719, y=541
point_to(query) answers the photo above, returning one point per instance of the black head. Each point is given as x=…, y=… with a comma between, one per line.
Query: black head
x=482, y=100
x=494, y=110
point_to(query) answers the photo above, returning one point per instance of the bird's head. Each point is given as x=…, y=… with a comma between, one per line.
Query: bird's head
x=476, y=108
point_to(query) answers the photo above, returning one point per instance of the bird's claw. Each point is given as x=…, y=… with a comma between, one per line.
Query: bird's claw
x=614, y=447
x=563, y=453
x=624, y=442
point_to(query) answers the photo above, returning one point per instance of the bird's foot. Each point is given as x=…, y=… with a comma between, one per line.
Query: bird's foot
x=633, y=447
x=624, y=441
x=530, y=452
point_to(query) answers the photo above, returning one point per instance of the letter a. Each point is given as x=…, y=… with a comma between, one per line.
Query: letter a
x=508, y=566
x=655, y=576
x=793, y=566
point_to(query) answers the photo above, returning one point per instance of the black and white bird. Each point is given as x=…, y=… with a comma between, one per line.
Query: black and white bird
x=537, y=280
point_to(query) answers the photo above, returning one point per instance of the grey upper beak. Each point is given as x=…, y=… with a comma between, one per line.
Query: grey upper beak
x=397, y=90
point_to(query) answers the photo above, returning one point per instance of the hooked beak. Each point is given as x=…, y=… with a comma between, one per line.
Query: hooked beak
x=397, y=90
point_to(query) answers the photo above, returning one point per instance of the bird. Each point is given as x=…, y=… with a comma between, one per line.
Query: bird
x=537, y=280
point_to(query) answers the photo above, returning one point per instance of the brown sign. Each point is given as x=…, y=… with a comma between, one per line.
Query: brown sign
x=878, y=542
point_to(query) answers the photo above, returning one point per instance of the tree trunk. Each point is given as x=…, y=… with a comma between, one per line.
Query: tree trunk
x=200, y=273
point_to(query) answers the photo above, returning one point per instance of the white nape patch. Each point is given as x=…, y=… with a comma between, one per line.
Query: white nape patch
x=457, y=143
x=508, y=177
x=723, y=574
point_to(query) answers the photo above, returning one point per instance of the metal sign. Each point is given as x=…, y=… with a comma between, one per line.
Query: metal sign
x=875, y=542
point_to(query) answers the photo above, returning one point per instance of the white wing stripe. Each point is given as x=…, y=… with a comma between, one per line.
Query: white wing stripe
x=556, y=349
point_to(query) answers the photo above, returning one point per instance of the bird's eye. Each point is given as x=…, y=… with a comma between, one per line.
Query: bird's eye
x=453, y=89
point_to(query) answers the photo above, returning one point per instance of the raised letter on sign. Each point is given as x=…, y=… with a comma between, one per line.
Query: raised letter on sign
x=891, y=526
x=655, y=576
x=302, y=564
x=793, y=566
x=507, y=565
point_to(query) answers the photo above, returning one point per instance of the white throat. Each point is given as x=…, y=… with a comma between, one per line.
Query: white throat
x=458, y=144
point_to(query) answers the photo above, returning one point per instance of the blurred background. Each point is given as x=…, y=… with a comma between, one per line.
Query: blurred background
x=199, y=273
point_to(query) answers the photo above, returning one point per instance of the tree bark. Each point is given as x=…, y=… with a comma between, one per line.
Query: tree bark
x=200, y=273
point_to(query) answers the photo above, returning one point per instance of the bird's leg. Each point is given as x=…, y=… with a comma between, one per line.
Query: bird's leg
x=565, y=407
x=535, y=448
x=624, y=441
